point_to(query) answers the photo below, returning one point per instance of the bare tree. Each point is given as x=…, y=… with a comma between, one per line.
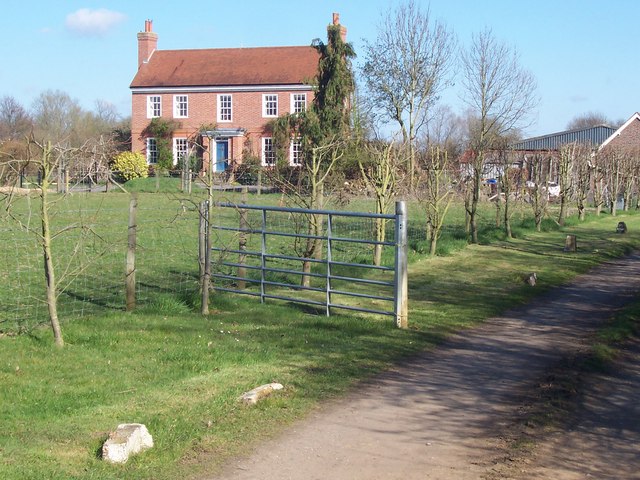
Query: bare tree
x=305, y=187
x=538, y=192
x=589, y=119
x=614, y=161
x=405, y=70
x=566, y=163
x=500, y=94
x=582, y=177
x=15, y=122
x=57, y=117
x=445, y=129
x=60, y=270
x=436, y=193
x=380, y=175
x=598, y=166
x=629, y=176
x=510, y=185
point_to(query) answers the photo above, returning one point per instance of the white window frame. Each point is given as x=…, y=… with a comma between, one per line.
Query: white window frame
x=268, y=142
x=228, y=116
x=298, y=102
x=152, y=151
x=180, y=147
x=269, y=105
x=154, y=106
x=295, y=152
x=180, y=106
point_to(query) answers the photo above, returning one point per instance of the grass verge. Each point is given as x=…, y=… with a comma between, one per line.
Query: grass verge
x=181, y=374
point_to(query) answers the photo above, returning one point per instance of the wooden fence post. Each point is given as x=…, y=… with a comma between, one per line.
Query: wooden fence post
x=130, y=273
x=259, y=190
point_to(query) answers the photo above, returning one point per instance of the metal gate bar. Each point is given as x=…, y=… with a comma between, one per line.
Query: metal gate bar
x=398, y=299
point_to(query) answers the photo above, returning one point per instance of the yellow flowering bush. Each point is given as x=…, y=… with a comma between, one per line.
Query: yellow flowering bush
x=130, y=165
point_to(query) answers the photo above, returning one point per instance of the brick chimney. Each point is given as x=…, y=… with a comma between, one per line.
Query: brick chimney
x=343, y=29
x=147, y=43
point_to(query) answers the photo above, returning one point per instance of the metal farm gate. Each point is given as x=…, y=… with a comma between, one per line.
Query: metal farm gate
x=257, y=252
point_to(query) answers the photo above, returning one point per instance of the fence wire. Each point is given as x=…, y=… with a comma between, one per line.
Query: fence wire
x=89, y=256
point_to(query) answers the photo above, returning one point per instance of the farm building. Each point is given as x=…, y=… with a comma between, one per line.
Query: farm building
x=220, y=101
x=599, y=138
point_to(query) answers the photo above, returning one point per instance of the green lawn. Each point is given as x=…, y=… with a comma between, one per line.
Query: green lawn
x=180, y=373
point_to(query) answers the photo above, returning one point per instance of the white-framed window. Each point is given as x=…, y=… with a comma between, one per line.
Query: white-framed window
x=295, y=152
x=268, y=152
x=225, y=108
x=180, y=106
x=152, y=151
x=269, y=105
x=180, y=149
x=154, y=106
x=298, y=102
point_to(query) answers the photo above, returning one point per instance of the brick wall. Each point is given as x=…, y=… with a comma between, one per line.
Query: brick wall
x=203, y=107
x=628, y=139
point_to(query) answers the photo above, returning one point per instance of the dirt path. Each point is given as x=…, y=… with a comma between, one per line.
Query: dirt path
x=441, y=416
x=602, y=441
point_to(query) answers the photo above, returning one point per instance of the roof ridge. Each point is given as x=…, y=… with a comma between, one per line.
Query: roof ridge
x=233, y=48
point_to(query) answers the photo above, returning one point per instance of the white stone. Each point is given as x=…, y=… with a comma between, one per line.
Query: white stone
x=253, y=396
x=128, y=439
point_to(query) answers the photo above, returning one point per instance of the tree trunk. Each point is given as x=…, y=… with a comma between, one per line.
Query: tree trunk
x=433, y=244
x=563, y=210
x=49, y=270
x=306, y=270
x=475, y=198
x=318, y=221
x=507, y=216
x=377, y=249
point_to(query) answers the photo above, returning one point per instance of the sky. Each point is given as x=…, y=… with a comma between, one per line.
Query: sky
x=581, y=52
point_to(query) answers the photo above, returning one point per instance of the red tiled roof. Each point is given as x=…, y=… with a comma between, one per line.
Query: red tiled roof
x=228, y=67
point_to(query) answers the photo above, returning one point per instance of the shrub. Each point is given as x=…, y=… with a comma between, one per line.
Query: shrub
x=247, y=171
x=130, y=165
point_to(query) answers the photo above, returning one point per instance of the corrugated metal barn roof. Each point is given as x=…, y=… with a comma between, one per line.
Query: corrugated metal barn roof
x=593, y=136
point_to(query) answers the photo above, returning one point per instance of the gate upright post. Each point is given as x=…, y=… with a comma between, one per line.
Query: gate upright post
x=401, y=293
x=329, y=261
x=263, y=253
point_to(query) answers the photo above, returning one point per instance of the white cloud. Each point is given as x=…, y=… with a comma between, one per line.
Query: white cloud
x=93, y=22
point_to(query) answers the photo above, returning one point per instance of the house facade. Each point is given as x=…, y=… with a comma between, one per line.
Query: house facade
x=220, y=101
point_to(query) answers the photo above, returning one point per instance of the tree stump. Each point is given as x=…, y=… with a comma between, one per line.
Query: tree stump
x=570, y=244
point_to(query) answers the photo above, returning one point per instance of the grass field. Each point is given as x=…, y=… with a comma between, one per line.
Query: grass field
x=180, y=373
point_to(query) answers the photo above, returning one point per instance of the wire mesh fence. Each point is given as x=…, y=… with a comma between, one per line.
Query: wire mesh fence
x=89, y=247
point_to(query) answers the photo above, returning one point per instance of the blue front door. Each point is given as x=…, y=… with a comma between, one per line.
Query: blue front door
x=222, y=155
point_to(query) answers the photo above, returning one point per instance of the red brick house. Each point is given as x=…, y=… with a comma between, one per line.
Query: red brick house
x=227, y=97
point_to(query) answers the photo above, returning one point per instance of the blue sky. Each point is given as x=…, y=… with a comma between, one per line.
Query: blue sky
x=582, y=53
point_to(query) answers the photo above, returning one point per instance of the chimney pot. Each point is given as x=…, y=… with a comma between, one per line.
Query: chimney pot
x=336, y=18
